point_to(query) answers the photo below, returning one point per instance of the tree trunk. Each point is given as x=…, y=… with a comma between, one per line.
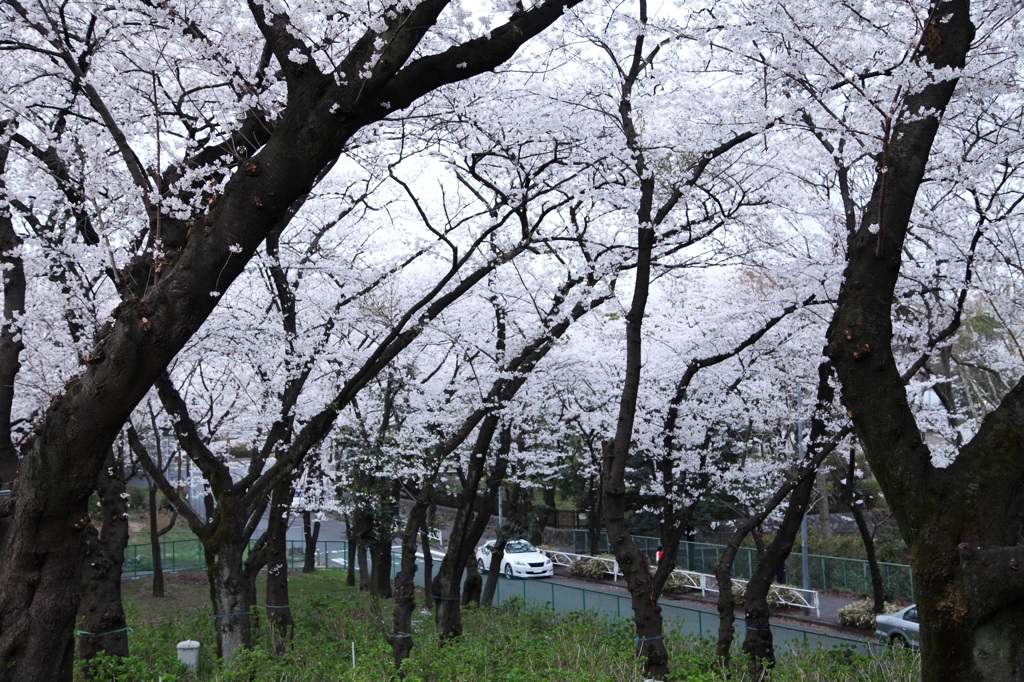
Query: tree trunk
x=877, y=585
x=428, y=561
x=231, y=597
x=634, y=565
x=758, y=642
x=960, y=522
x=380, y=569
x=310, y=533
x=468, y=526
x=866, y=536
x=154, y=544
x=104, y=628
x=726, y=602
x=824, y=508
x=493, y=571
x=405, y=583
x=279, y=612
x=351, y=548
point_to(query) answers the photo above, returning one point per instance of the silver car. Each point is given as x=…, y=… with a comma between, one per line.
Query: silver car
x=521, y=560
x=900, y=629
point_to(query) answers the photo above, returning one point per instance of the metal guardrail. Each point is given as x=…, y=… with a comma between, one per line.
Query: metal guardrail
x=786, y=595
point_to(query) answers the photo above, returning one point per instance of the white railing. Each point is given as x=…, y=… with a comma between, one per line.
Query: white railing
x=566, y=559
x=436, y=534
x=787, y=595
x=703, y=582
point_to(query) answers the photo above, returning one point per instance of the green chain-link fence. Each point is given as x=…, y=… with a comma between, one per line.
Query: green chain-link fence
x=830, y=574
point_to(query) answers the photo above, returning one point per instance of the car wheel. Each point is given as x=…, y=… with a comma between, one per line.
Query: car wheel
x=898, y=642
x=480, y=565
x=508, y=571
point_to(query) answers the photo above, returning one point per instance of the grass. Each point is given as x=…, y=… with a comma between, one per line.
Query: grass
x=515, y=644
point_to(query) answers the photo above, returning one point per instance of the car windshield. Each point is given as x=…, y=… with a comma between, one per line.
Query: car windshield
x=518, y=547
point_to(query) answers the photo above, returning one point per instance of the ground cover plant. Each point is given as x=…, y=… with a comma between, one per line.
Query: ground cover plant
x=514, y=643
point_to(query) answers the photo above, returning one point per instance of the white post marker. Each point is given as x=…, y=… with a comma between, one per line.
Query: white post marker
x=188, y=654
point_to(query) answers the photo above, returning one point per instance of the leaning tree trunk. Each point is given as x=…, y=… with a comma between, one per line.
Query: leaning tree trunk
x=854, y=501
x=877, y=584
x=758, y=643
x=471, y=520
x=104, y=628
x=494, y=571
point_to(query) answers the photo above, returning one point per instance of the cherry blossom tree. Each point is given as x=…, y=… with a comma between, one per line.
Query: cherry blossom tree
x=249, y=142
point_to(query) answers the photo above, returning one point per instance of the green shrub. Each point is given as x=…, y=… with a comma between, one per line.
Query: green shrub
x=678, y=584
x=859, y=614
x=591, y=569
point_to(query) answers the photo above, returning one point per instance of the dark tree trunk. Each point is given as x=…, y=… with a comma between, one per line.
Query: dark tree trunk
x=310, y=533
x=364, y=567
x=231, y=595
x=154, y=544
x=877, y=585
x=428, y=560
x=634, y=565
x=279, y=611
x=726, y=602
x=350, y=554
x=104, y=628
x=405, y=582
x=473, y=585
x=758, y=643
x=962, y=522
x=866, y=536
x=155, y=533
x=493, y=571
x=471, y=520
x=380, y=569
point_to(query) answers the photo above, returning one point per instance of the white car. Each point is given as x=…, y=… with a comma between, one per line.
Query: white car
x=900, y=629
x=521, y=560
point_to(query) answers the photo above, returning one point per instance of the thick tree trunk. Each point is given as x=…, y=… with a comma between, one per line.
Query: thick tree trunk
x=473, y=585
x=104, y=628
x=279, y=612
x=231, y=596
x=310, y=533
x=380, y=569
x=961, y=522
